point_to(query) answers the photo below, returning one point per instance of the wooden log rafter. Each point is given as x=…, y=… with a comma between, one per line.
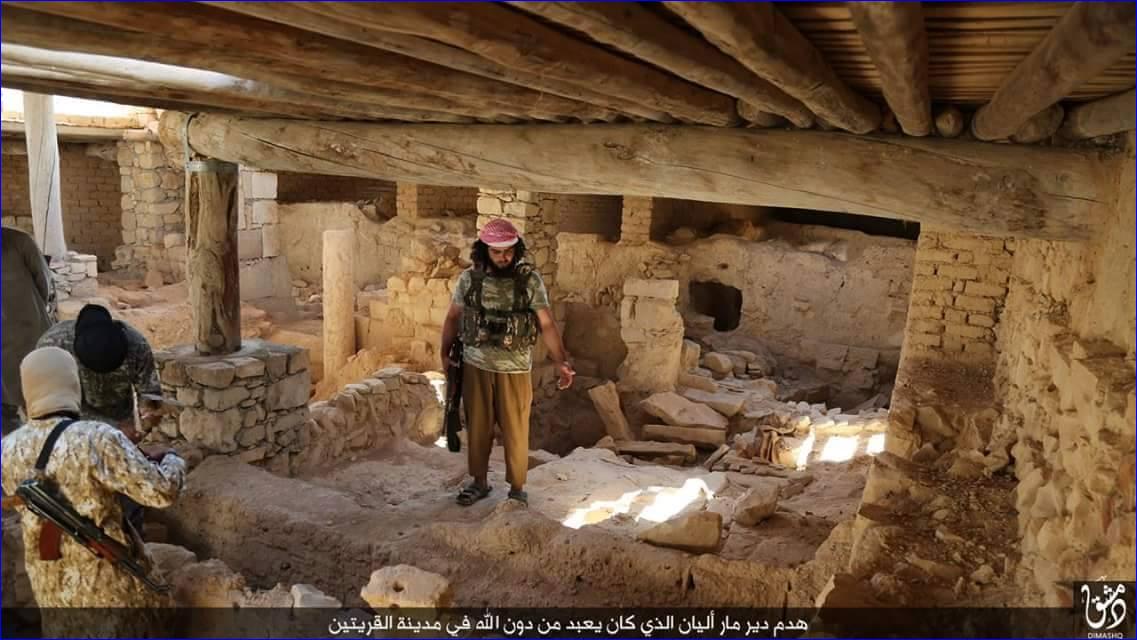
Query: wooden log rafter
x=632, y=28
x=981, y=188
x=1089, y=38
x=298, y=15
x=764, y=41
x=51, y=32
x=122, y=77
x=76, y=89
x=893, y=33
x=1101, y=117
x=513, y=39
x=211, y=33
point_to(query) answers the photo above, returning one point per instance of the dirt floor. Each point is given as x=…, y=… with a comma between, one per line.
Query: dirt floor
x=575, y=544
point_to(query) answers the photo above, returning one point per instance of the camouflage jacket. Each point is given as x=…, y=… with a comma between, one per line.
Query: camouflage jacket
x=91, y=464
x=107, y=396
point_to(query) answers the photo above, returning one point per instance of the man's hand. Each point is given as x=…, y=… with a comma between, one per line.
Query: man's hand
x=566, y=375
x=156, y=451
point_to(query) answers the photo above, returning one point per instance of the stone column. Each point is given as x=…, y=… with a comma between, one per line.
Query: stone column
x=43, y=174
x=339, y=298
x=214, y=282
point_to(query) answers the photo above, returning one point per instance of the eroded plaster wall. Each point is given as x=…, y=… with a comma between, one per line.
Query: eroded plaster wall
x=827, y=297
x=1066, y=381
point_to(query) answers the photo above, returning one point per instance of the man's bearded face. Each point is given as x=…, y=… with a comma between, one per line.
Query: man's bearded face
x=501, y=260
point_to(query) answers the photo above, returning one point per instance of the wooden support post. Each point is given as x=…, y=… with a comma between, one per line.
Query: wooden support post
x=212, y=270
x=43, y=174
x=339, y=298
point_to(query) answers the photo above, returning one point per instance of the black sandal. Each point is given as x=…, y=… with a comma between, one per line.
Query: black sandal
x=519, y=495
x=471, y=493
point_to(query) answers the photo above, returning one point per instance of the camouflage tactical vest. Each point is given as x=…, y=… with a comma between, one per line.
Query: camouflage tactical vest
x=511, y=330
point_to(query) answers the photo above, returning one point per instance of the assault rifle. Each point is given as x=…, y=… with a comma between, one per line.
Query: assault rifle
x=41, y=500
x=453, y=420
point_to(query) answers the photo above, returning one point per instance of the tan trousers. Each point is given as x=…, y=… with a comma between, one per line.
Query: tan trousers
x=497, y=398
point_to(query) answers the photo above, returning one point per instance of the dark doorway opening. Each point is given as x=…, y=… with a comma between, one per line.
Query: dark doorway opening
x=720, y=301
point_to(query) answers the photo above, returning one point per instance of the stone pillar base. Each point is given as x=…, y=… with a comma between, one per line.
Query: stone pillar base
x=252, y=404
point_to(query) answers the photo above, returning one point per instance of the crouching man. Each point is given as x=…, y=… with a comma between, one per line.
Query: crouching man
x=89, y=464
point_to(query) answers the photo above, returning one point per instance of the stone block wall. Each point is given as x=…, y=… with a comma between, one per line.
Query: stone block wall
x=390, y=403
x=428, y=201
x=252, y=404
x=75, y=276
x=153, y=216
x=1066, y=380
x=958, y=290
x=260, y=239
x=652, y=329
x=639, y=216
x=90, y=196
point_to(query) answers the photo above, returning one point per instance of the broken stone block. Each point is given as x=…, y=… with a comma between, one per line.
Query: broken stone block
x=706, y=438
x=308, y=596
x=289, y=392
x=207, y=584
x=684, y=452
x=727, y=404
x=607, y=402
x=211, y=374
x=695, y=381
x=718, y=363
x=248, y=367
x=168, y=558
x=698, y=532
x=406, y=587
x=757, y=504
x=689, y=358
x=678, y=411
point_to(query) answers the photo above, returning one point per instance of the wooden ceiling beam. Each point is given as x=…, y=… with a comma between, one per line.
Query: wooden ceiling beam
x=893, y=33
x=764, y=41
x=1100, y=117
x=131, y=77
x=634, y=29
x=981, y=188
x=513, y=39
x=295, y=14
x=1089, y=38
x=77, y=89
x=251, y=44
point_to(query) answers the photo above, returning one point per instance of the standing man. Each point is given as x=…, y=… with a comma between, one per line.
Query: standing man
x=90, y=465
x=499, y=308
x=27, y=294
x=115, y=362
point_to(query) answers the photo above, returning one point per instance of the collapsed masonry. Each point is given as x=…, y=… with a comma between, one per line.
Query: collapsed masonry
x=943, y=420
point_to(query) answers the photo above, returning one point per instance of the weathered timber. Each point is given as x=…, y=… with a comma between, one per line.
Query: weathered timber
x=758, y=118
x=950, y=121
x=88, y=92
x=217, y=35
x=515, y=40
x=1041, y=126
x=983, y=188
x=768, y=44
x=631, y=27
x=212, y=267
x=310, y=18
x=43, y=175
x=125, y=77
x=893, y=34
x=1100, y=117
x=1088, y=39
